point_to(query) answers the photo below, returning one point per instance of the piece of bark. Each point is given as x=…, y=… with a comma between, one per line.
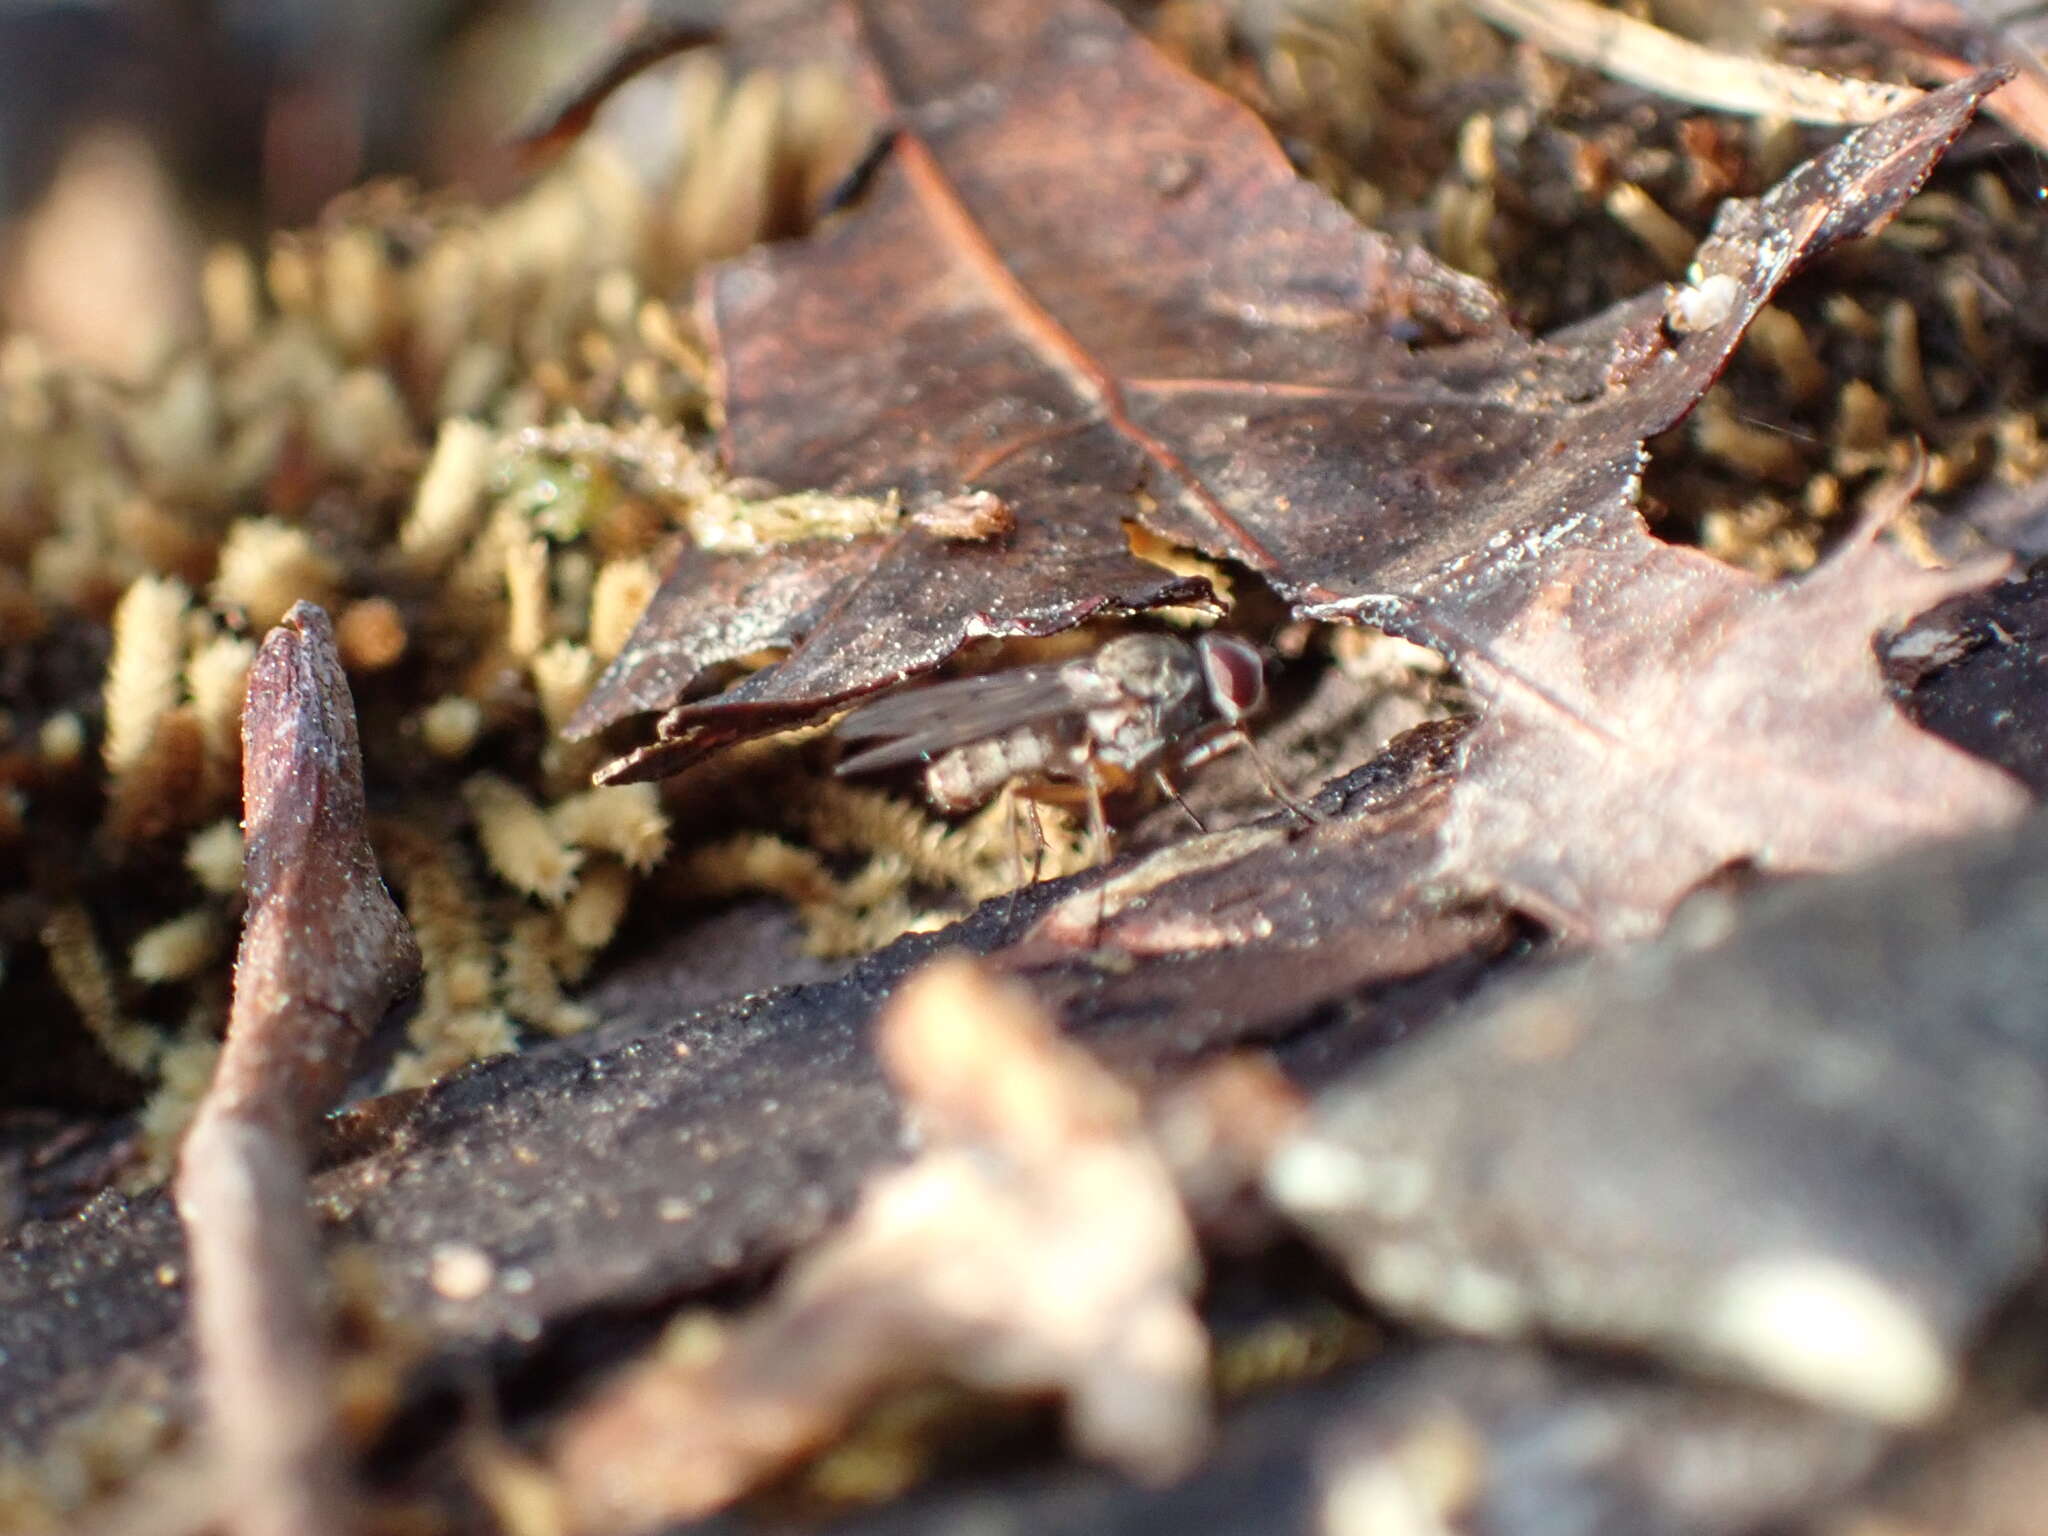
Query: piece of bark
x=324, y=952
x=1035, y=1246
x=1806, y=1145
x=1511, y=1442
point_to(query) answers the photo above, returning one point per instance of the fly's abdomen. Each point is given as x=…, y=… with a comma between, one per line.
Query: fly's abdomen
x=969, y=776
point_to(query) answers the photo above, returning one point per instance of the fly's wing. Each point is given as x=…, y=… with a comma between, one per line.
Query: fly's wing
x=924, y=722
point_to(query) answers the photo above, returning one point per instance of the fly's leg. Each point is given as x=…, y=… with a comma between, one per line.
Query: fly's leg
x=1023, y=814
x=1013, y=801
x=1214, y=746
x=1272, y=782
x=1098, y=843
x=1166, y=786
x=1038, y=839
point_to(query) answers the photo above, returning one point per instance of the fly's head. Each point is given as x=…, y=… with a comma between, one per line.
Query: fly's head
x=1235, y=676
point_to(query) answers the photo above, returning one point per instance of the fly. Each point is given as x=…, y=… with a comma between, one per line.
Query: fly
x=1093, y=725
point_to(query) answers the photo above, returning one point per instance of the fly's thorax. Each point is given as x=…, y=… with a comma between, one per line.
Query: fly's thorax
x=1143, y=692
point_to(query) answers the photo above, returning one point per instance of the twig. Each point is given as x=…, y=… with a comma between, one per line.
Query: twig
x=1663, y=62
x=324, y=951
x=1952, y=41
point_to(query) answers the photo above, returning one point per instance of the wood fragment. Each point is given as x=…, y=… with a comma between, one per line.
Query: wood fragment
x=1660, y=61
x=324, y=952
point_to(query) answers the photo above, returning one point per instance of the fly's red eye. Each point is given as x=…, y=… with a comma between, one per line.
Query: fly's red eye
x=1235, y=674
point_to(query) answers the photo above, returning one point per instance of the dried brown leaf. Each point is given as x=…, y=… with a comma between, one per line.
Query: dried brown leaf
x=1103, y=295
x=1690, y=717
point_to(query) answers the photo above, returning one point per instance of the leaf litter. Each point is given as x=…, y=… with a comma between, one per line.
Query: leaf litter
x=538, y=1166
x=1224, y=357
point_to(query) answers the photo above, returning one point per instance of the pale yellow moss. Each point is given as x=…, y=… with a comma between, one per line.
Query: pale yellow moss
x=1759, y=452
x=291, y=278
x=213, y=855
x=757, y=861
x=524, y=1496
x=252, y=452
x=527, y=618
x=986, y=855
x=217, y=677
x=231, y=298
x=458, y=965
x=562, y=675
x=362, y=423
x=574, y=573
x=1661, y=234
x=449, y=726
x=660, y=462
x=591, y=917
x=521, y=843
x=359, y=290
x=61, y=740
x=448, y=505
x=174, y=431
x=371, y=635
x=178, y=949
x=266, y=566
x=532, y=957
x=147, y=530
x=186, y=1071
x=618, y=598
x=65, y=570
x=625, y=820
x=448, y=1042
x=82, y=970
x=142, y=671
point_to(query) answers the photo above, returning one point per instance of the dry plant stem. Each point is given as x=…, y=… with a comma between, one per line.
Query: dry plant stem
x=324, y=951
x=1660, y=61
x=1949, y=41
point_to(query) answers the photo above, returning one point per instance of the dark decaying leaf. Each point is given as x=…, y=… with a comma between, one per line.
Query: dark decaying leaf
x=1035, y=1245
x=1092, y=285
x=1978, y=671
x=1811, y=1151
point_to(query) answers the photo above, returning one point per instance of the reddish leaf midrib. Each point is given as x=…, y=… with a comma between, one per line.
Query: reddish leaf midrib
x=1042, y=331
